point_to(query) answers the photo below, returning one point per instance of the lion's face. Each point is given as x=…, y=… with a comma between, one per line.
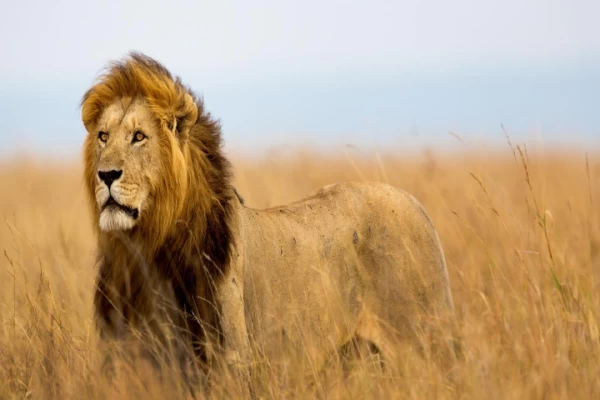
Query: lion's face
x=126, y=149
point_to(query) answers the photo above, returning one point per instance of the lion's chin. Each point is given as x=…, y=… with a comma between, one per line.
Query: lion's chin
x=115, y=219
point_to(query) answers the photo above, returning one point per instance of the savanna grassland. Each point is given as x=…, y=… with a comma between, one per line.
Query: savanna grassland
x=520, y=229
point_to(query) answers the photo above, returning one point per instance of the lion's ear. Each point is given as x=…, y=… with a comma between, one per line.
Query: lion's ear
x=186, y=117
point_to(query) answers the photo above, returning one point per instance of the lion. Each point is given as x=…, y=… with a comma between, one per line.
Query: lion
x=178, y=248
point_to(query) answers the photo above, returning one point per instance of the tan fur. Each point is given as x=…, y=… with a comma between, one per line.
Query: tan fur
x=355, y=259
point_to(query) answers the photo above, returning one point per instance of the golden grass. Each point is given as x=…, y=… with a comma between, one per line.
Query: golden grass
x=521, y=233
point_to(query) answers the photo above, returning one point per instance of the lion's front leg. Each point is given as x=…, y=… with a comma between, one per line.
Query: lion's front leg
x=233, y=323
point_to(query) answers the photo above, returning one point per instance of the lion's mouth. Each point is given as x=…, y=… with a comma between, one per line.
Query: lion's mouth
x=111, y=202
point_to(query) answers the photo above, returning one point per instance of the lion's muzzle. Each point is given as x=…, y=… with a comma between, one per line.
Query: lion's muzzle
x=116, y=200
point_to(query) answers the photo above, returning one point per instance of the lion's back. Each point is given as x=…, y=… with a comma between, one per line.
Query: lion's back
x=362, y=215
x=384, y=228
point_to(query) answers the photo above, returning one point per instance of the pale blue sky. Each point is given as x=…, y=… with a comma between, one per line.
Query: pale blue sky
x=373, y=73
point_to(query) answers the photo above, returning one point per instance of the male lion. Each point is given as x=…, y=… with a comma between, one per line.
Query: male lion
x=179, y=250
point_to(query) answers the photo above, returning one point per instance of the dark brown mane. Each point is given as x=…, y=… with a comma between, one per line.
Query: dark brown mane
x=194, y=250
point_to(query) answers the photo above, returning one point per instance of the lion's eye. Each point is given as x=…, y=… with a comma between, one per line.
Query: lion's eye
x=138, y=136
x=103, y=136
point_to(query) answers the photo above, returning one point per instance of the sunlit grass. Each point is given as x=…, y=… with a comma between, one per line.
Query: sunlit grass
x=521, y=233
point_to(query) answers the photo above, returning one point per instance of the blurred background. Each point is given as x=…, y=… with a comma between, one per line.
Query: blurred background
x=382, y=74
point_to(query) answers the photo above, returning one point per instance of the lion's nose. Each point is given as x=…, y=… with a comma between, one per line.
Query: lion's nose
x=109, y=177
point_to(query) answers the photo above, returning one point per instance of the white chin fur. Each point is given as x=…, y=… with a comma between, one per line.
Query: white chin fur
x=114, y=219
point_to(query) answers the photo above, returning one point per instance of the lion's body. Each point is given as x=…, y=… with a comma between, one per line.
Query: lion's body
x=177, y=248
x=355, y=259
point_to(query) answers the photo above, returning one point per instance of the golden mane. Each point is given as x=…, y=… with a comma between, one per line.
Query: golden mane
x=140, y=76
x=186, y=239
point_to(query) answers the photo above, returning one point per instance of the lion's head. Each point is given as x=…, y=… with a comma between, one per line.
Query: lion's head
x=152, y=155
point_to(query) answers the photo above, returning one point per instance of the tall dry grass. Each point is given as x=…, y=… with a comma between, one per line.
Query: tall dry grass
x=521, y=233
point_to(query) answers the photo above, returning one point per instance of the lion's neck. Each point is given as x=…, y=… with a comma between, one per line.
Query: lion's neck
x=181, y=269
x=201, y=242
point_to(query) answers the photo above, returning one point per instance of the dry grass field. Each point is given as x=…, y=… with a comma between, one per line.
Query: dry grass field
x=520, y=228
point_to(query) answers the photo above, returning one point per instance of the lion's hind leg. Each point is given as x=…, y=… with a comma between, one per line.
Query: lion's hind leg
x=366, y=355
x=362, y=351
x=381, y=338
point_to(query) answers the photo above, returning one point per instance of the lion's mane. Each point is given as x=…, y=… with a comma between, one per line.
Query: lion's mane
x=187, y=237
